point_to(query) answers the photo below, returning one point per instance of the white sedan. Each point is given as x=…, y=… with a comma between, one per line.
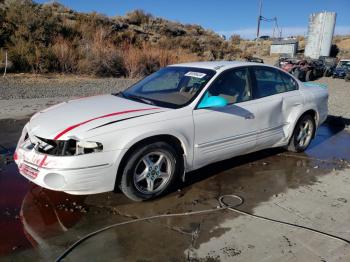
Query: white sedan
x=178, y=119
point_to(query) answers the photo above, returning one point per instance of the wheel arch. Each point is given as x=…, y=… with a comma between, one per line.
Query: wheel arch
x=314, y=115
x=172, y=140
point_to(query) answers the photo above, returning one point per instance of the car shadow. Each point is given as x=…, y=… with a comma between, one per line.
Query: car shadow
x=225, y=165
x=332, y=126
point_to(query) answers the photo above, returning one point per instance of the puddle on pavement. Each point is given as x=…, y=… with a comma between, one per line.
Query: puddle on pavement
x=39, y=224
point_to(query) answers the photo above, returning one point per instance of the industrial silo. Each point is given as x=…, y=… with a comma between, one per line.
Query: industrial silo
x=320, y=34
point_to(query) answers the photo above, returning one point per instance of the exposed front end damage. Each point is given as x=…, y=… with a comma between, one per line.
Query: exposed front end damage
x=65, y=165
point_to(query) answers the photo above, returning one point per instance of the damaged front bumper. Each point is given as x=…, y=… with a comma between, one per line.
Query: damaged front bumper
x=76, y=174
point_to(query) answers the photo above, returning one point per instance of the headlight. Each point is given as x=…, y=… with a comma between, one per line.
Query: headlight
x=68, y=147
x=86, y=147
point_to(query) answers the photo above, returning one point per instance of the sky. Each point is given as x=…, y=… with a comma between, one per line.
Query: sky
x=226, y=17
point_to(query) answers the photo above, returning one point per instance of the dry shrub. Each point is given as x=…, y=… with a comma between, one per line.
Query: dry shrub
x=143, y=61
x=235, y=39
x=66, y=55
x=302, y=42
x=101, y=57
x=29, y=56
x=51, y=38
x=138, y=17
x=344, y=44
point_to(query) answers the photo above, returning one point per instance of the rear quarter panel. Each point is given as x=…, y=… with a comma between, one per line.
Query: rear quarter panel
x=312, y=97
x=316, y=97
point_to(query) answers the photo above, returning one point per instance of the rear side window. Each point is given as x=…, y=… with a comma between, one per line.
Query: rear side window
x=289, y=82
x=268, y=82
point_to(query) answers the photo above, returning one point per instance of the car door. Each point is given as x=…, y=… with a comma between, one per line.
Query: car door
x=268, y=90
x=223, y=132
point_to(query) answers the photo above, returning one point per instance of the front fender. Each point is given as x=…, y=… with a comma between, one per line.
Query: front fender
x=123, y=139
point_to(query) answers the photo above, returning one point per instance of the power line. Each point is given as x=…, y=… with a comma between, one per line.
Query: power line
x=262, y=18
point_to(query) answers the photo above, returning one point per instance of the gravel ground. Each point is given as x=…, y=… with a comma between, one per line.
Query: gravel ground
x=22, y=86
x=22, y=94
x=339, y=96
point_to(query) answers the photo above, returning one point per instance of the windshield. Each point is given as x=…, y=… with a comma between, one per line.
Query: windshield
x=172, y=87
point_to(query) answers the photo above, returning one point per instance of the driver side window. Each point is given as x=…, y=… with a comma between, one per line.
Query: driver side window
x=233, y=85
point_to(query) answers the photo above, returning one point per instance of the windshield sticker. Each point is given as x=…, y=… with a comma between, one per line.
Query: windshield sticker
x=195, y=74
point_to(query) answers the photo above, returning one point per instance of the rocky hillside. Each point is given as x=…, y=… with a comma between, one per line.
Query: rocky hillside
x=42, y=38
x=52, y=38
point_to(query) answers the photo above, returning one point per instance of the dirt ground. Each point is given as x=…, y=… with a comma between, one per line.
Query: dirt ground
x=309, y=189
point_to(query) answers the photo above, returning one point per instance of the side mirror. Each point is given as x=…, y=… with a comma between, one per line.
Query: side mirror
x=212, y=101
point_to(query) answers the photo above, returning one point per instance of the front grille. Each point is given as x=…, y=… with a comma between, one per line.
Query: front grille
x=56, y=147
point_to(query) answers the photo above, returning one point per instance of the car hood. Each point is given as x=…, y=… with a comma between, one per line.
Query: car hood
x=68, y=118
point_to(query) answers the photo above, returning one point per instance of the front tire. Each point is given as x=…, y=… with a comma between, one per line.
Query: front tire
x=150, y=171
x=302, y=134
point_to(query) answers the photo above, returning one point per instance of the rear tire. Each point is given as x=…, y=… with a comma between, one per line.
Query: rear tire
x=326, y=73
x=302, y=135
x=150, y=171
x=296, y=74
x=309, y=76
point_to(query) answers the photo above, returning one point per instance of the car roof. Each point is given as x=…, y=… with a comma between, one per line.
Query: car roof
x=218, y=65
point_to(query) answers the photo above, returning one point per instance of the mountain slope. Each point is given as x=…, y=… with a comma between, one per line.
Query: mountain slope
x=53, y=38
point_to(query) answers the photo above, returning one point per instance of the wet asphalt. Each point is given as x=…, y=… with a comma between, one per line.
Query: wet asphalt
x=39, y=224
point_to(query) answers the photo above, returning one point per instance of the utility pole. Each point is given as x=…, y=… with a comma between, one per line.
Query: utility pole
x=259, y=19
x=5, y=64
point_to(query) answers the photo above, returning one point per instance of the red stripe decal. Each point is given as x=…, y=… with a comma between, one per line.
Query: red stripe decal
x=42, y=162
x=104, y=116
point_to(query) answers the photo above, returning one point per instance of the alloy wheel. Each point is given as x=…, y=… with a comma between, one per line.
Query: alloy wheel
x=153, y=172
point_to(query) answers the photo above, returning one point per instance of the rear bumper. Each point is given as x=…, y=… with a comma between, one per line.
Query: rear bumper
x=323, y=110
x=81, y=174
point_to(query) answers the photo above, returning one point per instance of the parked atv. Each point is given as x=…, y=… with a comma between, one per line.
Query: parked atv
x=308, y=70
x=304, y=70
x=329, y=65
x=282, y=61
x=317, y=66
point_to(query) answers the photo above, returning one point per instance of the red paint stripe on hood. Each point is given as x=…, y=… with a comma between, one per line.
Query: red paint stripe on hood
x=104, y=116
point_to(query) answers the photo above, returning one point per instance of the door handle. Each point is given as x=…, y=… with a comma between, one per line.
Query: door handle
x=249, y=116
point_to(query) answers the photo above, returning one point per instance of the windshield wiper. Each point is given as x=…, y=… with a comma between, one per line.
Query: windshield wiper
x=137, y=98
x=142, y=99
x=121, y=94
